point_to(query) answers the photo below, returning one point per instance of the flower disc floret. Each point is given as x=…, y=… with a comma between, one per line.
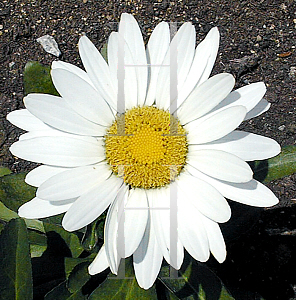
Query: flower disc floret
x=147, y=147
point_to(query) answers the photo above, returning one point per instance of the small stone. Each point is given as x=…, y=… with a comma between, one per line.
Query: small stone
x=292, y=73
x=49, y=45
x=282, y=127
x=259, y=38
x=1, y=27
x=11, y=64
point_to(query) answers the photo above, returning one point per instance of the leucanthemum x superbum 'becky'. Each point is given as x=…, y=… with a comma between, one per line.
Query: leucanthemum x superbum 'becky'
x=93, y=157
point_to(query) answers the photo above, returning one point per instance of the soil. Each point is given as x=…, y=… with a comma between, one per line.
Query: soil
x=257, y=44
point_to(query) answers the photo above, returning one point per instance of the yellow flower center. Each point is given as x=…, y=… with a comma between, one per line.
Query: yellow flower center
x=147, y=147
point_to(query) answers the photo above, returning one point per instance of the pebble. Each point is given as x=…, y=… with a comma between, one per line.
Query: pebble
x=282, y=128
x=292, y=72
x=49, y=45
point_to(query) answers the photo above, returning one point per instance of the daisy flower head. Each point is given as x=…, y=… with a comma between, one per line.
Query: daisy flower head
x=149, y=136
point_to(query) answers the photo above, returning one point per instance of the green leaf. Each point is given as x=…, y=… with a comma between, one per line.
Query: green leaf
x=193, y=281
x=116, y=288
x=4, y=171
x=7, y=214
x=14, y=191
x=90, y=237
x=71, y=263
x=38, y=243
x=15, y=262
x=61, y=293
x=71, y=239
x=78, y=277
x=277, y=167
x=37, y=79
x=104, y=52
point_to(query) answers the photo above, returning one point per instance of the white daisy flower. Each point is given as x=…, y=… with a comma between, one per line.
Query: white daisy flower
x=164, y=167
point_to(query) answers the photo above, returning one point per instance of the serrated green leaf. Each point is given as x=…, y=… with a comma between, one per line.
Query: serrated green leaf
x=15, y=262
x=277, y=167
x=114, y=288
x=70, y=239
x=4, y=171
x=14, y=191
x=193, y=281
x=37, y=79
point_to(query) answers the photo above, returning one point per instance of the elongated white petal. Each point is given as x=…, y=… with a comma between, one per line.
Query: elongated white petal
x=55, y=133
x=97, y=69
x=206, y=96
x=216, y=125
x=124, y=77
x=192, y=232
x=204, y=196
x=251, y=193
x=59, y=151
x=73, y=183
x=165, y=222
x=182, y=46
x=130, y=31
x=157, y=48
x=91, y=204
x=82, y=97
x=113, y=233
x=38, y=208
x=248, y=96
x=147, y=257
x=100, y=263
x=25, y=120
x=200, y=60
x=42, y=173
x=247, y=146
x=55, y=112
x=215, y=239
x=57, y=64
x=259, y=109
x=220, y=164
x=135, y=220
x=214, y=37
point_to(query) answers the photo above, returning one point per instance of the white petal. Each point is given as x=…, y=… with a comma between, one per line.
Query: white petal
x=72, y=68
x=215, y=238
x=165, y=222
x=59, y=151
x=55, y=112
x=135, y=220
x=204, y=196
x=192, y=232
x=91, y=204
x=214, y=37
x=215, y=125
x=251, y=193
x=206, y=96
x=119, y=56
x=73, y=183
x=129, y=29
x=182, y=46
x=200, y=60
x=248, y=96
x=100, y=263
x=42, y=173
x=247, y=146
x=97, y=69
x=220, y=164
x=157, y=48
x=38, y=208
x=147, y=257
x=24, y=119
x=82, y=97
x=111, y=233
x=259, y=109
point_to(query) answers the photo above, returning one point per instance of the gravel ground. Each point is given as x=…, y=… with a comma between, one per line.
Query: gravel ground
x=257, y=44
